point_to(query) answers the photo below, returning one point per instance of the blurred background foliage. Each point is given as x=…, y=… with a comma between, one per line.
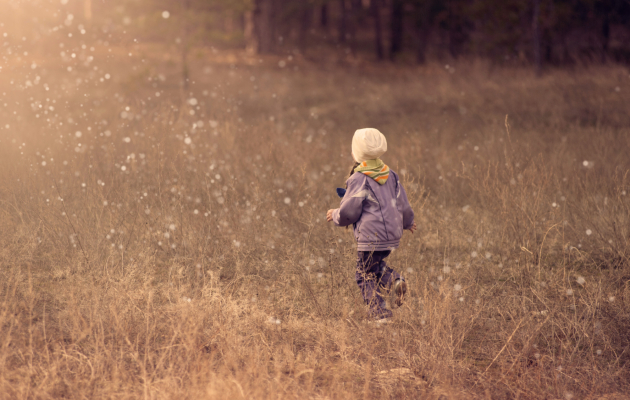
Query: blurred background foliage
x=522, y=32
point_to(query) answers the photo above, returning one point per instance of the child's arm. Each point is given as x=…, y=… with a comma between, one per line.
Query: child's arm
x=408, y=216
x=351, y=205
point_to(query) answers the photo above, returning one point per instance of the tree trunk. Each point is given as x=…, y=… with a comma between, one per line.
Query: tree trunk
x=251, y=40
x=87, y=10
x=456, y=23
x=605, y=36
x=324, y=16
x=422, y=37
x=343, y=22
x=264, y=25
x=355, y=15
x=536, y=38
x=396, y=28
x=185, y=47
x=305, y=24
x=378, y=29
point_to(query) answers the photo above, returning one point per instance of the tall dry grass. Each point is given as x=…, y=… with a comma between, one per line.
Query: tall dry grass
x=178, y=248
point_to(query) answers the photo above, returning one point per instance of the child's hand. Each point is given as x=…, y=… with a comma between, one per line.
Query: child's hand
x=413, y=227
x=329, y=216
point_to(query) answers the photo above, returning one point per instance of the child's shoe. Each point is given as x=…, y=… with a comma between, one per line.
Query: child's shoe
x=380, y=313
x=382, y=321
x=399, y=289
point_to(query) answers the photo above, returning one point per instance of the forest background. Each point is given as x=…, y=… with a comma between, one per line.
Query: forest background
x=513, y=32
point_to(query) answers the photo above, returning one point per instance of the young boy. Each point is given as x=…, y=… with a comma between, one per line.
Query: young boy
x=376, y=204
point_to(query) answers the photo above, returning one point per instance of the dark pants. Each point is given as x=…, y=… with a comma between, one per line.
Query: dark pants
x=374, y=277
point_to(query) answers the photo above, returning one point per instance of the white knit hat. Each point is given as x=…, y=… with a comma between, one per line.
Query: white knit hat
x=368, y=144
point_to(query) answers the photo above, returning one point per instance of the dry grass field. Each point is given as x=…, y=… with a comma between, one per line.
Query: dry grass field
x=161, y=242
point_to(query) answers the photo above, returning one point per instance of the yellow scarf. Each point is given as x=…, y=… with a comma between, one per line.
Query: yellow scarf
x=375, y=169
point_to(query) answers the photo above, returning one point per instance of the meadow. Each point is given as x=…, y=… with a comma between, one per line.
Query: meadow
x=163, y=241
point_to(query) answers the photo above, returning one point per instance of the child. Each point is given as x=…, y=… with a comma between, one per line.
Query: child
x=376, y=204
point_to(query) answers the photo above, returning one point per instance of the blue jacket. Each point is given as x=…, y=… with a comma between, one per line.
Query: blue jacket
x=379, y=212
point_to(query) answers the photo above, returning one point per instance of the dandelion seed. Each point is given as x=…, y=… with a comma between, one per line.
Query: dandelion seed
x=554, y=204
x=457, y=287
x=461, y=299
x=474, y=254
x=580, y=280
x=568, y=395
x=569, y=292
x=127, y=140
x=167, y=235
x=588, y=232
x=105, y=203
x=282, y=64
x=599, y=352
x=477, y=301
x=43, y=163
x=537, y=356
x=196, y=212
x=159, y=243
x=585, y=163
x=465, y=208
x=171, y=227
x=301, y=204
x=488, y=255
x=188, y=140
x=147, y=211
x=410, y=270
x=446, y=269
x=287, y=200
x=166, y=14
x=123, y=168
x=78, y=134
x=611, y=298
